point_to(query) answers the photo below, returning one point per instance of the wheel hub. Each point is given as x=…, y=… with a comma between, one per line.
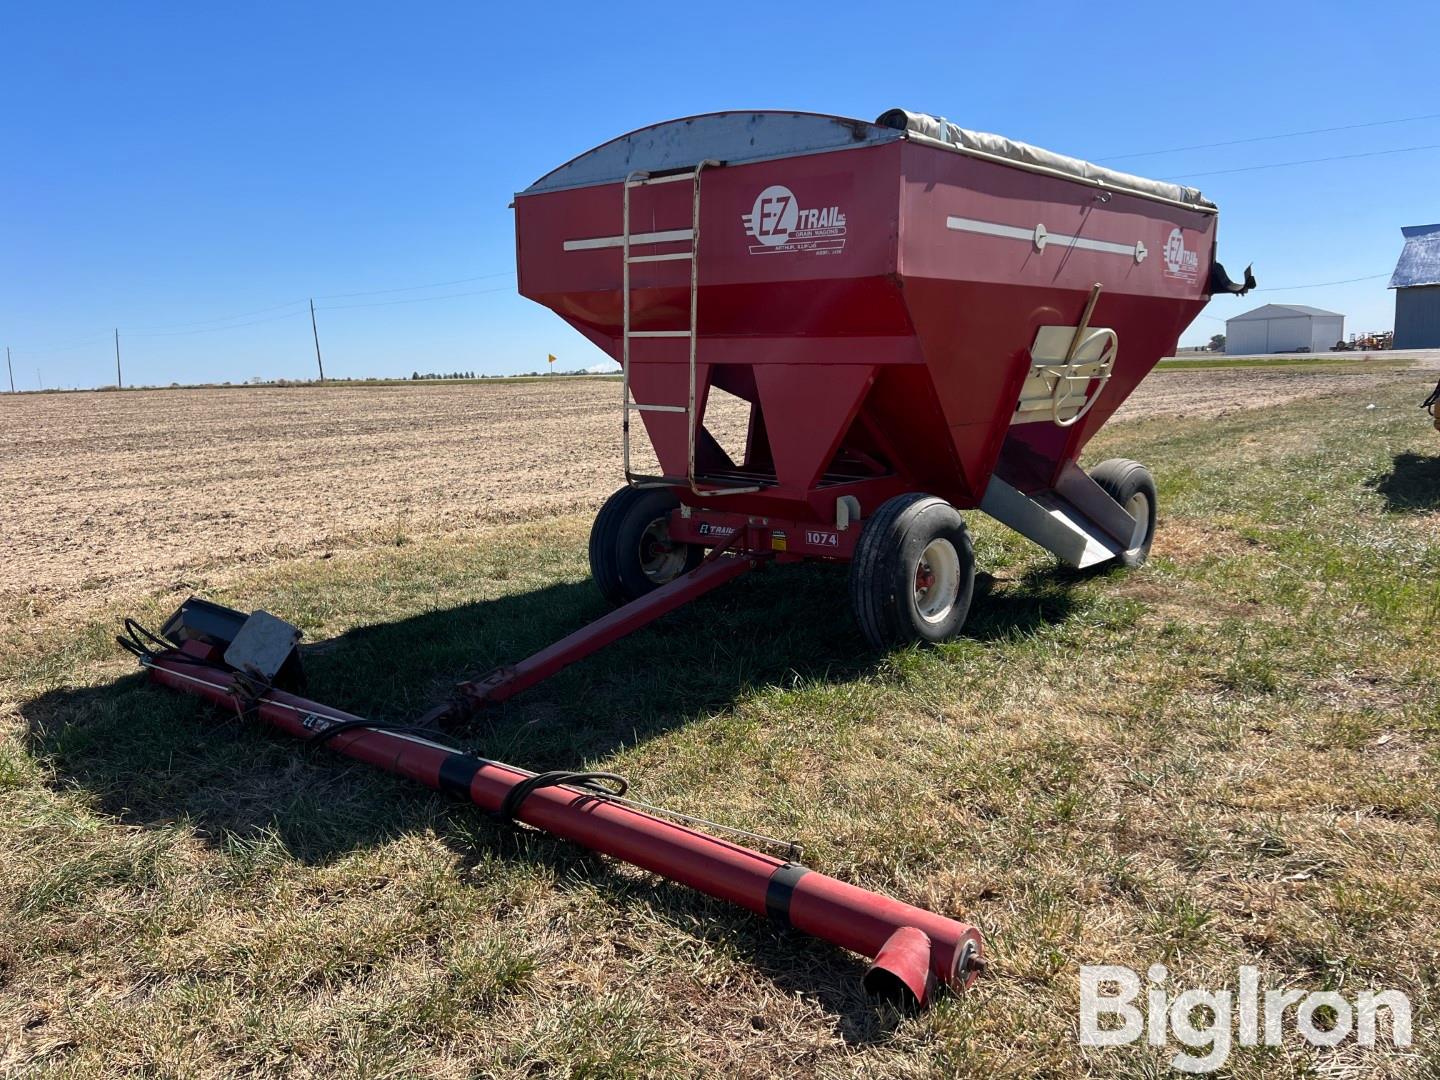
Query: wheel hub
x=937, y=580
x=1138, y=507
x=661, y=559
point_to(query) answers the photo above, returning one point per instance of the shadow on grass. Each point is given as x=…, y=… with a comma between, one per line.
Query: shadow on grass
x=151, y=757
x=1413, y=483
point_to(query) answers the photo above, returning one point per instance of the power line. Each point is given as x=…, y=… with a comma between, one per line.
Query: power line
x=414, y=288
x=416, y=299
x=1270, y=138
x=1312, y=285
x=201, y=326
x=204, y=329
x=218, y=329
x=72, y=347
x=1322, y=284
x=1305, y=161
x=182, y=328
x=328, y=296
x=222, y=318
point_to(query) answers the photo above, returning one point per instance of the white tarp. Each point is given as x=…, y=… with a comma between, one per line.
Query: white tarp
x=940, y=131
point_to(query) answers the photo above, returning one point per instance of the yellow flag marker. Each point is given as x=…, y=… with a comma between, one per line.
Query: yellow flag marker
x=552, y=359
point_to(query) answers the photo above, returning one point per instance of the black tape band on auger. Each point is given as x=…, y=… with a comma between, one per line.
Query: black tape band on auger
x=781, y=889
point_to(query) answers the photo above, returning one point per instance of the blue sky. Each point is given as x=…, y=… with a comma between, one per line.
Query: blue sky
x=191, y=173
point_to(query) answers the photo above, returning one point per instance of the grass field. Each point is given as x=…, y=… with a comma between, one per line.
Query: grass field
x=1226, y=757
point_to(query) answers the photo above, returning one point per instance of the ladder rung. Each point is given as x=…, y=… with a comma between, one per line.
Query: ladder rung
x=660, y=333
x=667, y=236
x=725, y=490
x=655, y=408
x=675, y=256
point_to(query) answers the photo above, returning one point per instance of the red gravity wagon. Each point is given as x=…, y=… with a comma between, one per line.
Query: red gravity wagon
x=921, y=320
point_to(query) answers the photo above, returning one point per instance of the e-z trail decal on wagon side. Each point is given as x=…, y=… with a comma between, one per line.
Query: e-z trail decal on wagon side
x=1180, y=261
x=781, y=224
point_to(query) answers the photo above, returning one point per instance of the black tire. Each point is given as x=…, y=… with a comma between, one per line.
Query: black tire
x=619, y=563
x=884, y=589
x=1124, y=481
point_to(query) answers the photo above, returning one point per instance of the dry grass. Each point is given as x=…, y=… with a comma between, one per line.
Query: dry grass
x=1228, y=757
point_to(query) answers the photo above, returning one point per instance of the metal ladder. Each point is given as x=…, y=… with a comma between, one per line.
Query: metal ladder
x=691, y=333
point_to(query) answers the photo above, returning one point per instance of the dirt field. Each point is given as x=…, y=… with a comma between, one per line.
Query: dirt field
x=109, y=495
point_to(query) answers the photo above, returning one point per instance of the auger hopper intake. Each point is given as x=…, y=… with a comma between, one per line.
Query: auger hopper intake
x=922, y=320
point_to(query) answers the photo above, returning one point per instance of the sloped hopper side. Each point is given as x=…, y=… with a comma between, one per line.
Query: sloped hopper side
x=816, y=339
x=991, y=254
x=875, y=298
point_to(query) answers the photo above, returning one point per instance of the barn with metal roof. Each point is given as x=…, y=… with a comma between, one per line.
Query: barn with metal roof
x=1283, y=328
x=1416, y=282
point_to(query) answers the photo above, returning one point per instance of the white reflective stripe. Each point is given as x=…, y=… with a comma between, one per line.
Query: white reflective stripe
x=989, y=228
x=659, y=333
x=1042, y=239
x=669, y=236
x=656, y=408
x=674, y=256
x=1093, y=245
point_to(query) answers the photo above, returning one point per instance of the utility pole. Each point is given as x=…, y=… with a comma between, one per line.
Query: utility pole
x=316, y=331
x=10, y=369
x=119, y=383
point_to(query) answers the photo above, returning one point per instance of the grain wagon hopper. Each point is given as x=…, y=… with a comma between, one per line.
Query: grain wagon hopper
x=920, y=319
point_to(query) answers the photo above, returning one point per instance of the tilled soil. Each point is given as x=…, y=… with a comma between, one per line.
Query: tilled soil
x=1217, y=391
x=134, y=489
x=105, y=494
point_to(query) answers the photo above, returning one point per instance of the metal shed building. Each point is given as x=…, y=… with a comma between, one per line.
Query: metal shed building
x=1416, y=282
x=1281, y=328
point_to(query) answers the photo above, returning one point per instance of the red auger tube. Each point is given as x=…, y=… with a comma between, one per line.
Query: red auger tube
x=913, y=950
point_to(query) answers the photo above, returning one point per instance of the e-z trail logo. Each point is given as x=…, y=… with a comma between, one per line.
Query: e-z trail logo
x=1180, y=261
x=781, y=224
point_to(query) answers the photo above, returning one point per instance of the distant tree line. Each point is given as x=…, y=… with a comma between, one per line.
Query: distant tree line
x=260, y=380
x=419, y=377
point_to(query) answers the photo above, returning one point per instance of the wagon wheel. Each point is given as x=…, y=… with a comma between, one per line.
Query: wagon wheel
x=913, y=575
x=1130, y=484
x=631, y=552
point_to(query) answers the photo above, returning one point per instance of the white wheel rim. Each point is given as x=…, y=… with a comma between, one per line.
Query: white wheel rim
x=1138, y=507
x=937, y=581
x=660, y=559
